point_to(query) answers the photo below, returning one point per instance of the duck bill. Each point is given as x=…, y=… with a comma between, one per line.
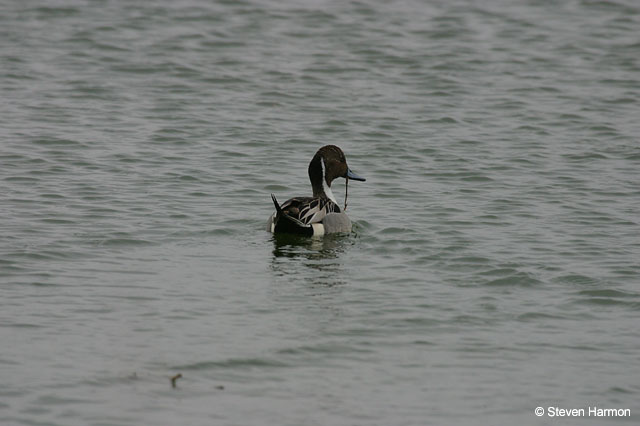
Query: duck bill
x=354, y=176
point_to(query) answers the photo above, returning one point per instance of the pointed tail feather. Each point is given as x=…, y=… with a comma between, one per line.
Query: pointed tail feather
x=275, y=203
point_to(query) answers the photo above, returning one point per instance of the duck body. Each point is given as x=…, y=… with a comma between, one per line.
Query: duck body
x=308, y=216
x=319, y=214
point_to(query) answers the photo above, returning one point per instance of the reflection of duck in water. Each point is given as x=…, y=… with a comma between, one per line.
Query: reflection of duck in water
x=314, y=261
x=320, y=214
x=313, y=249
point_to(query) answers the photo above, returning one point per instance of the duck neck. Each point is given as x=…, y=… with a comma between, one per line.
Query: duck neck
x=317, y=176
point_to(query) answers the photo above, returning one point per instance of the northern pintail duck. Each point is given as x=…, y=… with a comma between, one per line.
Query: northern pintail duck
x=320, y=214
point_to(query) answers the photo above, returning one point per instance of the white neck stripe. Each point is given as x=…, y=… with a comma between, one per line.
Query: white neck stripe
x=326, y=189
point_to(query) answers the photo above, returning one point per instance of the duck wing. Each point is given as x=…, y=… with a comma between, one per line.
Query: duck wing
x=313, y=210
x=297, y=214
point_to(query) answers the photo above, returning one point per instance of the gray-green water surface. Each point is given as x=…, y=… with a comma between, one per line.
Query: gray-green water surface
x=494, y=265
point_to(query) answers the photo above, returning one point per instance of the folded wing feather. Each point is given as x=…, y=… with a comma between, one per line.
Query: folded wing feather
x=309, y=210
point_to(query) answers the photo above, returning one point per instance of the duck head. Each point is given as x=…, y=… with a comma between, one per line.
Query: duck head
x=328, y=164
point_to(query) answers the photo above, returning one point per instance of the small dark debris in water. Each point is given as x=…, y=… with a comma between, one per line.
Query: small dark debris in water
x=220, y=387
x=174, y=378
x=134, y=376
